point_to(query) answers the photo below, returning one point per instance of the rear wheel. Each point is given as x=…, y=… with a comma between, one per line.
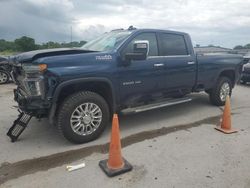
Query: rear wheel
x=83, y=117
x=222, y=89
x=4, y=77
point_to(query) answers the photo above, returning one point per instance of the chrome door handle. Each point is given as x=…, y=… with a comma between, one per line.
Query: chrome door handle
x=190, y=62
x=158, y=65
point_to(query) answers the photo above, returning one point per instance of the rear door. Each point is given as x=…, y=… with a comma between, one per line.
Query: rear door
x=179, y=63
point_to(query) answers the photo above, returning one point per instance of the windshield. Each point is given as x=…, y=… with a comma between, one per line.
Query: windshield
x=106, y=42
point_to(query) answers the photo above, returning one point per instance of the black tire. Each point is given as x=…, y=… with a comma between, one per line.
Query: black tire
x=67, y=109
x=215, y=92
x=4, y=77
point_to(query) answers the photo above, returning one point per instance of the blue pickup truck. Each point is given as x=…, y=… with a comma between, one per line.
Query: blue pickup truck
x=122, y=71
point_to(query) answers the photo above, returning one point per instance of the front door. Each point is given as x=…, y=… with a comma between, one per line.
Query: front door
x=140, y=81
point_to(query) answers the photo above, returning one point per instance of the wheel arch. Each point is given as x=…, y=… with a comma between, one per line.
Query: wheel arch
x=229, y=73
x=101, y=86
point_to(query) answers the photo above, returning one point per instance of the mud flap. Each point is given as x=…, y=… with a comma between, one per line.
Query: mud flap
x=18, y=126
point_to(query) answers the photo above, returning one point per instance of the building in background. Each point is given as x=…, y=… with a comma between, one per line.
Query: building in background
x=217, y=49
x=242, y=51
x=211, y=49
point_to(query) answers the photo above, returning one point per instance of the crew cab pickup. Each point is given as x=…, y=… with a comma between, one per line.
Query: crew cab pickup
x=122, y=71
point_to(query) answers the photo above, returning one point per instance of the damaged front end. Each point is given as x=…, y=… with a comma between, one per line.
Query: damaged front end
x=36, y=83
x=30, y=94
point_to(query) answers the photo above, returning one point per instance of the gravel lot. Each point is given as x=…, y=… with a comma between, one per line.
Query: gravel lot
x=170, y=147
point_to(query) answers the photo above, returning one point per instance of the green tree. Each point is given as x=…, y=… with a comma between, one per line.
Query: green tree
x=51, y=44
x=247, y=46
x=25, y=44
x=7, y=45
x=238, y=47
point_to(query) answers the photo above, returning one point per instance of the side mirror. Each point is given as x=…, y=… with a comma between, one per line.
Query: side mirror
x=140, y=51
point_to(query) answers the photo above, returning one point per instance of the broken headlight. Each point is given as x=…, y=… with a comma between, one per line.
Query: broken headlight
x=34, y=80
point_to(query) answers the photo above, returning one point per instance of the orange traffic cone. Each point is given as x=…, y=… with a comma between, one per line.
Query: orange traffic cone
x=115, y=165
x=226, y=119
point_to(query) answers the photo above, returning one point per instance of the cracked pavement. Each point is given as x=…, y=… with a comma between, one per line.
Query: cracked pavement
x=169, y=147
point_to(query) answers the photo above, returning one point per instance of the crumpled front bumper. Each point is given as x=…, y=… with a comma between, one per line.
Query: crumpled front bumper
x=19, y=98
x=33, y=105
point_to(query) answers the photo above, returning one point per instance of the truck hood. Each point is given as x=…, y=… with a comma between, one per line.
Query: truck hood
x=33, y=55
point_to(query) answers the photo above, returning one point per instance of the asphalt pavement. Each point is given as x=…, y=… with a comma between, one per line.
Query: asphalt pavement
x=169, y=147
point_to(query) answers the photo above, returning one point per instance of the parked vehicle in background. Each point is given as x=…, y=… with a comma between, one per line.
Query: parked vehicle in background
x=5, y=69
x=245, y=76
x=123, y=71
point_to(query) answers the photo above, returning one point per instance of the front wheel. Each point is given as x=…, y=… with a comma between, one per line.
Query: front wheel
x=222, y=89
x=83, y=116
x=4, y=77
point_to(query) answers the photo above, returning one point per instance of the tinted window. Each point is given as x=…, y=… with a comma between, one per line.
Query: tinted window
x=108, y=41
x=150, y=37
x=171, y=44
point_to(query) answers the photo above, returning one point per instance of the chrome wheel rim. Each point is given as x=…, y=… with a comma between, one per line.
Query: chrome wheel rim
x=3, y=77
x=224, y=91
x=86, y=118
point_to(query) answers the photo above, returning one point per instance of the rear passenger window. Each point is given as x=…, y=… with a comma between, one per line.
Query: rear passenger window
x=172, y=44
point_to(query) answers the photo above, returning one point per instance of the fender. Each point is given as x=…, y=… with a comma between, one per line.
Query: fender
x=227, y=69
x=76, y=81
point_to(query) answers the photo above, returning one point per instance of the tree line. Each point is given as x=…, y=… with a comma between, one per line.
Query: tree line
x=238, y=47
x=24, y=44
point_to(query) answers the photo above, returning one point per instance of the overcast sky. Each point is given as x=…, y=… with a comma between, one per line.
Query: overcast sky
x=218, y=22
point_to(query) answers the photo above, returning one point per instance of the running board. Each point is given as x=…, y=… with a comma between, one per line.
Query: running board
x=161, y=104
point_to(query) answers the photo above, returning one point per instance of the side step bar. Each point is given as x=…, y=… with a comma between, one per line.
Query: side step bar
x=18, y=126
x=161, y=104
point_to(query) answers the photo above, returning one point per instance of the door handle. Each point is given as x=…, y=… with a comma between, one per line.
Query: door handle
x=158, y=65
x=190, y=62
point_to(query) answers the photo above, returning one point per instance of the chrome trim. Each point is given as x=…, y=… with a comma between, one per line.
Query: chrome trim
x=155, y=106
x=224, y=91
x=86, y=118
x=158, y=65
x=152, y=57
